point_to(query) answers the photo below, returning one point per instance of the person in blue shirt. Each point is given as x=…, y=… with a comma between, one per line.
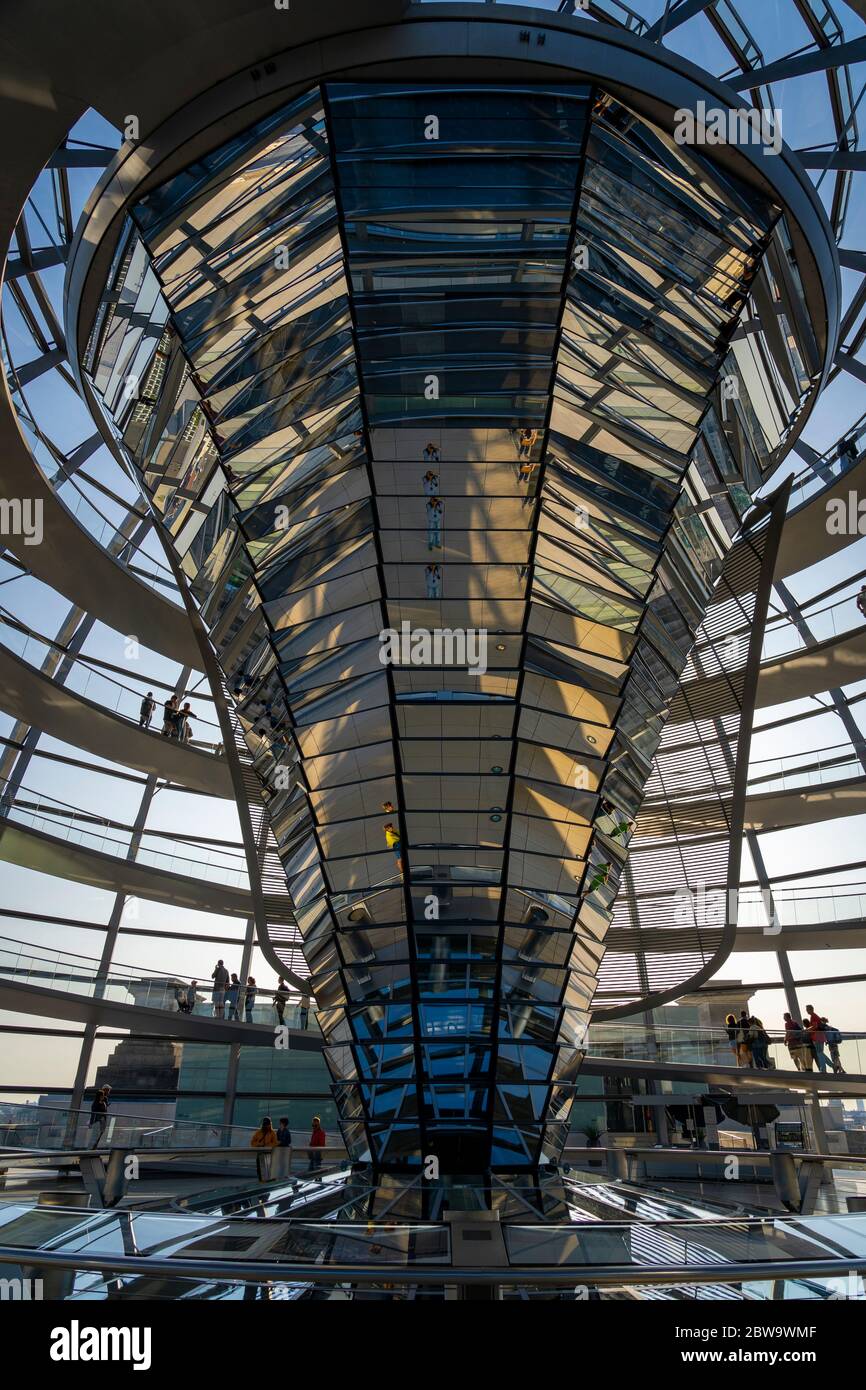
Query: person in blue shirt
x=232, y=997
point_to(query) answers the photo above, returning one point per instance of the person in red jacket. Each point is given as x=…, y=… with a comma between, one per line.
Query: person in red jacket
x=818, y=1037
x=317, y=1143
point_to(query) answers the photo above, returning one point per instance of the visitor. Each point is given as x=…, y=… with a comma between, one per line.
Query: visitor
x=220, y=979
x=817, y=1037
x=431, y=483
x=392, y=840
x=145, y=714
x=731, y=1030
x=861, y=600
x=250, y=999
x=184, y=729
x=744, y=1051
x=99, y=1114
x=317, y=1143
x=232, y=997
x=304, y=1012
x=192, y=996
x=281, y=1161
x=759, y=1044
x=434, y=523
x=807, y=1047
x=169, y=715
x=793, y=1039
x=834, y=1037
x=181, y=997
x=433, y=581
x=431, y=453
x=264, y=1138
x=526, y=439
x=281, y=998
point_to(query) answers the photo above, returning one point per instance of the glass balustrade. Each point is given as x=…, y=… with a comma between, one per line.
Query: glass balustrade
x=25, y=964
x=712, y=1047
x=53, y=818
x=833, y=620
x=799, y=771
x=100, y=688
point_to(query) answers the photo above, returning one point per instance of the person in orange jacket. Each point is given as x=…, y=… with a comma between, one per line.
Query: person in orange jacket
x=265, y=1137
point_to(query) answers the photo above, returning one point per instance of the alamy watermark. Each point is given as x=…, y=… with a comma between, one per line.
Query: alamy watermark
x=434, y=647
x=21, y=1291
x=846, y=516
x=716, y=907
x=77, y=1343
x=22, y=516
x=719, y=125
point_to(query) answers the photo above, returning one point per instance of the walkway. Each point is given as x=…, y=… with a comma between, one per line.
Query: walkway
x=37, y=699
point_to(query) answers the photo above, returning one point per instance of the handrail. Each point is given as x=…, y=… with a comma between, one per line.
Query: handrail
x=117, y=1114
x=60, y=815
x=848, y=749
x=225, y=1271
x=760, y=1156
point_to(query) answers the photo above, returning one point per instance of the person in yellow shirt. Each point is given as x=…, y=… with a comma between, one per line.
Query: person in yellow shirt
x=392, y=840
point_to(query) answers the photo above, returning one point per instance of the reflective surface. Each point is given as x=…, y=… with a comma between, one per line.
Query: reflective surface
x=451, y=359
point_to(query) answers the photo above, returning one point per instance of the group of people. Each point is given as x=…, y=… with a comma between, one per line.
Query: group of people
x=804, y=1040
x=749, y=1041
x=175, y=718
x=266, y=1137
x=231, y=995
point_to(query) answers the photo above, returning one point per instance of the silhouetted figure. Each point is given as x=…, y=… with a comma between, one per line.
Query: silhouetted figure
x=99, y=1114
x=232, y=997
x=145, y=714
x=220, y=979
